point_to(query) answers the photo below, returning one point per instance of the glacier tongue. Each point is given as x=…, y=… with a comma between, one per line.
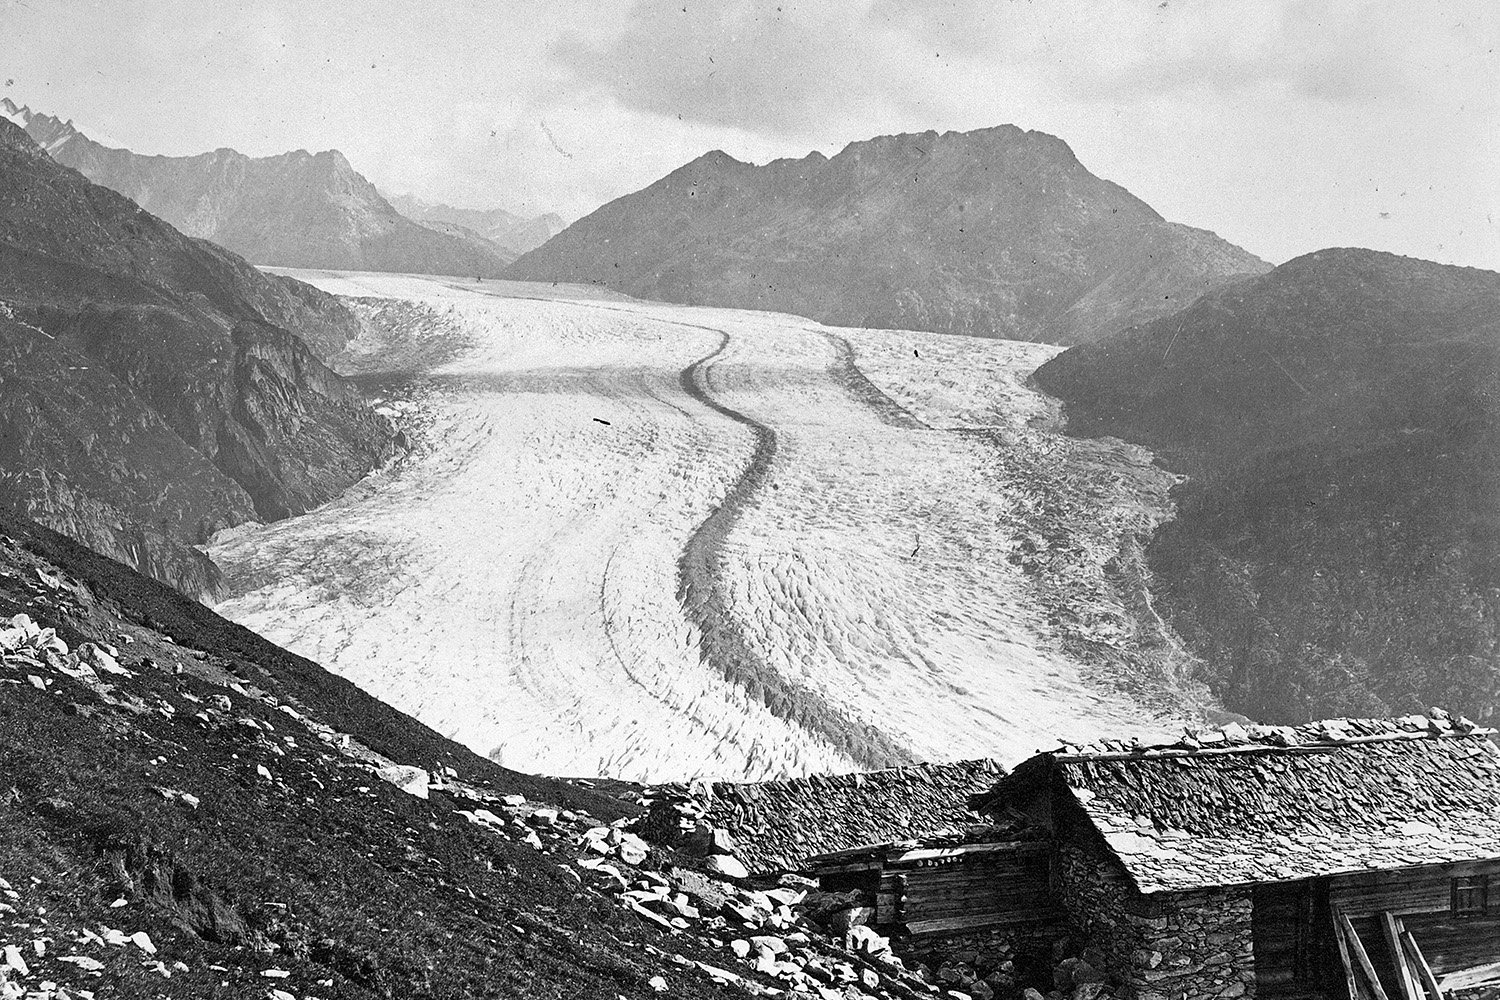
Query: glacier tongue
x=516, y=584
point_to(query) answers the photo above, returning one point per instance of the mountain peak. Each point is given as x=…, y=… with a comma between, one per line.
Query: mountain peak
x=14, y=137
x=295, y=209
x=47, y=131
x=997, y=232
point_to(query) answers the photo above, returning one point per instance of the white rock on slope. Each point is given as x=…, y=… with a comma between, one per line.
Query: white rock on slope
x=411, y=780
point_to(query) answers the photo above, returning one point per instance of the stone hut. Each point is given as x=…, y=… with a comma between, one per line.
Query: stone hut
x=1356, y=858
x=775, y=826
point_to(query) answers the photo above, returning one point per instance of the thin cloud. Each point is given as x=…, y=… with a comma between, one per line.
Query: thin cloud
x=769, y=66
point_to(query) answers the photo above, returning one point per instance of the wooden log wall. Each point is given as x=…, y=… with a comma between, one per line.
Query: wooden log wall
x=1423, y=899
x=977, y=890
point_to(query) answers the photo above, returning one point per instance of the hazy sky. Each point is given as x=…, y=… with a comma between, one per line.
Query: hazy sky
x=1284, y=125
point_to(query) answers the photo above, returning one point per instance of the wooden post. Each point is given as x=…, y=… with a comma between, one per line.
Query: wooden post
x=1358, y=948
x=1429, y=981
x=1350, y=983
x=1391, y=924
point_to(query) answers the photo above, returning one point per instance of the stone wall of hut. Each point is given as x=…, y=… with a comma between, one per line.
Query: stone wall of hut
x=1168, y=946
x=1193, y=945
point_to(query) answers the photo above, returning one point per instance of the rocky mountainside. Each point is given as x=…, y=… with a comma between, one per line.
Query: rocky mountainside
x=298, y=209
x=153, y=387
x=999, y=233
x=155, y=756
x=514, y=233
x=1338, y=543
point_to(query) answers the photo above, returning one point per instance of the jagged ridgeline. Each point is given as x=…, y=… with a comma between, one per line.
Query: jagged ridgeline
x=999, y=232
x=155, y=388
x=1335, y=550
x=296, y=209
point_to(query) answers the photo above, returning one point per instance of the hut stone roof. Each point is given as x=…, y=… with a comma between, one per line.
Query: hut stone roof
x=1262, y=804
x=778, y=825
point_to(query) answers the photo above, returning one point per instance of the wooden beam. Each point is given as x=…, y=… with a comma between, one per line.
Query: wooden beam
x=976, y=921
x=1260, y=748
x=1476, y=975
x=1391, y=925
x=959, y=850
x=1414, y=952
x=859, y=866
x=1351, y=985
x=1357, y=947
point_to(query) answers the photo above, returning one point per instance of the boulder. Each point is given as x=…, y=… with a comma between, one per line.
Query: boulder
x=844, y=921
x=411, y=780
x=866, y=940
x=727, y=865
x=769, y=942
x=822, y=906
x=632, y=849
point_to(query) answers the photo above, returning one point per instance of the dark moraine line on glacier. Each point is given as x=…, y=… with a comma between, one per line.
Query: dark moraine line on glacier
x=724, y=643
x=725, y=646
x=846, y=371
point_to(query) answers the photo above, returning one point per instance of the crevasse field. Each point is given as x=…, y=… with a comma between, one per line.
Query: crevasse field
x=659, y=542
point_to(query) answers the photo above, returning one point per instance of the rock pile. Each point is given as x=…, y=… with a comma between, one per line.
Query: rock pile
x=785, y=933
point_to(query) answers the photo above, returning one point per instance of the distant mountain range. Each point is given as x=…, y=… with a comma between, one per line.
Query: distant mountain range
x=298, y=209
x=511, y=232
x=999, y=233
x=1337, y=548
x=153, y=387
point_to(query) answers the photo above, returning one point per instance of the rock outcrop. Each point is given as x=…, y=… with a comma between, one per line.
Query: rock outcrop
x=157, y=388
x=998, y=232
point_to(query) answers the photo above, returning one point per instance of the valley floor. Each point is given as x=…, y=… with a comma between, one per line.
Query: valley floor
x=656, y=542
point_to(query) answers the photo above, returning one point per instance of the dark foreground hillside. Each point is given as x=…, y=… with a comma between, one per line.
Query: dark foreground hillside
x=1337, y=548
x=154, y=387
x=188, y=811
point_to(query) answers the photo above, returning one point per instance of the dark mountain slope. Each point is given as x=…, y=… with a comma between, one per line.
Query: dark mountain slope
x=369, y=892
x=1338, y=546
x=514, y=233
x=997, y=232
x=190, y=811
x=298, y=209
x=148, y=391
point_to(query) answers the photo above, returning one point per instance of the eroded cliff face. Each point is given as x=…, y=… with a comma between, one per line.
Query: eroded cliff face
x=155, y=388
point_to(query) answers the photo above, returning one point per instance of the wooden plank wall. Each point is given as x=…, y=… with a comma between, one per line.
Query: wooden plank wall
x=977, y=890
x=1423, y=899
x=1418, y=890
